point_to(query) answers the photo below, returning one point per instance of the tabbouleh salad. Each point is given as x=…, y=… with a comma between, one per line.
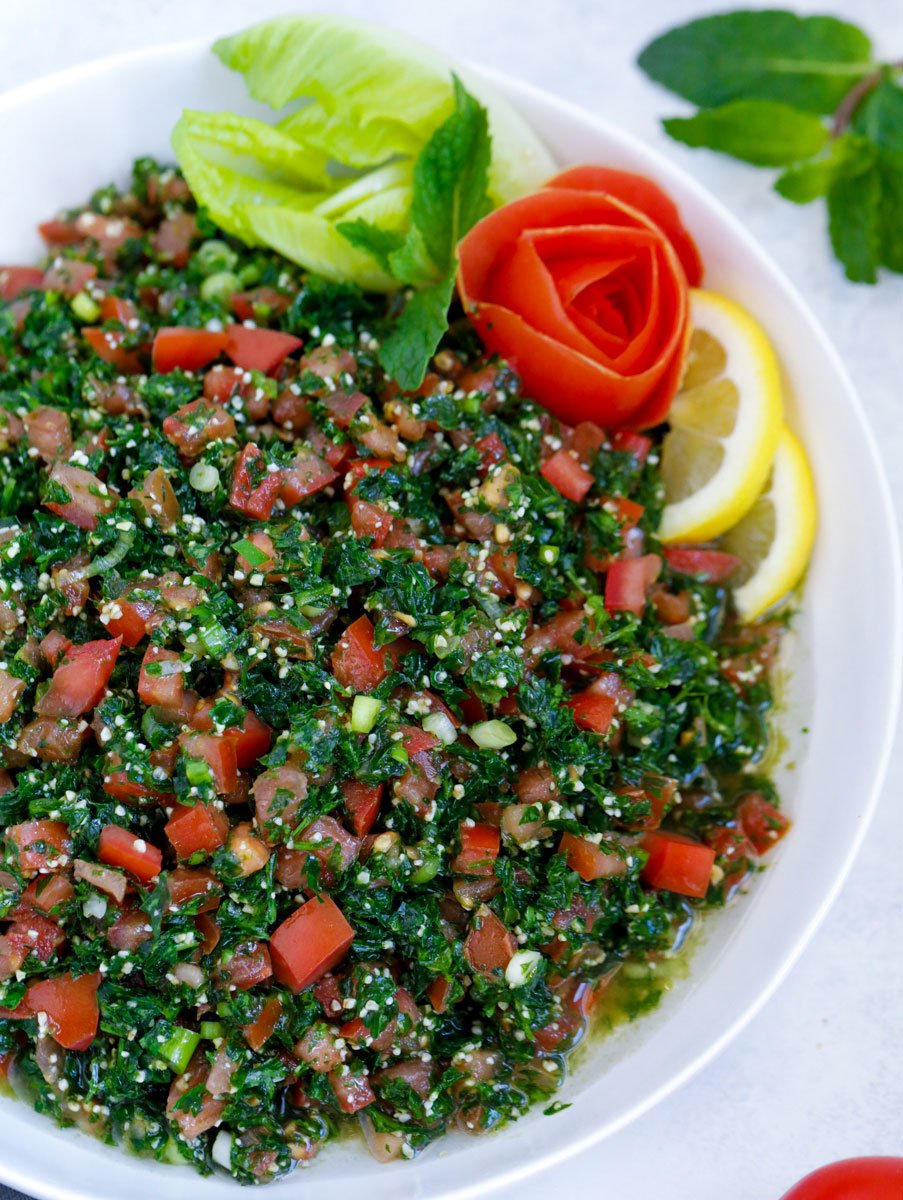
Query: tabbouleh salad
x=354, y=740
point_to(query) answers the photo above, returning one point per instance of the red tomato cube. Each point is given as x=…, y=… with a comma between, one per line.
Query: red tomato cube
x=310, y=942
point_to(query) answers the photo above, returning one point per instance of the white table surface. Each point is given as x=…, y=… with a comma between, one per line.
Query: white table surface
x=817, y=1075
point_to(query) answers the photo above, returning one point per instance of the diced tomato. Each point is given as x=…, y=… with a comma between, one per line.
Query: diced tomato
x=12, y=956
x=248, y=965
x=628, y=511
x=185, y=884
x=33, y=934
x=586, y=440
x=11, y=688
x=677, y=864
x=260, y=1030
x=156, y=501
x=89, y=497
x=166, y=688
x=53, y=739
x=416, y=740
x=712, y=566
x=307, y=475
x=473, y=710
x=248, y=306
x=356, y=662
x=53, y=646
x=130, y=625
x=592, y=710
x=181, y=347
x=259, y=349
x=627, y=581
x=735, y=853
x=328, y=996
x=628, y=442
x=108, y=345
x=480, y=844
x=201, y=828
x=79, y=681
x=359, y=468
x=438, y=993
x=172, y=240
x=118, y=308
x=369, y=520
x=762, y=823
x=120, y=848
x=222, y=383
x=352, y=1089
x=588, y=860
x=492, y=450
x=566, y=475
x=41, y=846
x=130, y=930
x=332, y=844
x=49, y=431
x=249, y=851
x=490, y=945
x=195, y=425
x=121, y=787
x=255, y=488
x=70, y=1006
x=68, y=276
x=344, y=406
x=658, y=791
x=207, y=927
x=59, y=232
x=264, y=543
x=48, y=892
x=16, y=280
x=577, y=999
x=219, y=753
x=362, y=803
x=208, y=1106
x=252, y=738
x=314, y=939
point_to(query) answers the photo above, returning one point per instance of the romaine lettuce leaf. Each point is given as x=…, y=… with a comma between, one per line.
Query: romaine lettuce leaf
x=364, y=102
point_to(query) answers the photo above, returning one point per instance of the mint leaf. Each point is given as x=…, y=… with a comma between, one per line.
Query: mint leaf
x=451, y=178
x=854, y=224
x=810, y=62
x=411, y=262
x=380, y=243
x=764, y=132
x=890, y=214
x=406, y=351
x=880, y=119
x=847, y=156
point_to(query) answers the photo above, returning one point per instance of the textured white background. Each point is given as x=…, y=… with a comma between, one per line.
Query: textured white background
x=817, y=1076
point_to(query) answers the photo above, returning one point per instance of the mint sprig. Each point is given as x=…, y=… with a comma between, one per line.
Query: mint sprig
x=451, y=179
x=806, y=94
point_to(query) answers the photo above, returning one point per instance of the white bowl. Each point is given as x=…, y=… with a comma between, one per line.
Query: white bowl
x=66, y=135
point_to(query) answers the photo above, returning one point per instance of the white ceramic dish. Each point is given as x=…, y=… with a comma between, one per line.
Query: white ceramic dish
x=63, y=136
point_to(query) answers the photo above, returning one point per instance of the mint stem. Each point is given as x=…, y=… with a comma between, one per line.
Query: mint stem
x=857, y=93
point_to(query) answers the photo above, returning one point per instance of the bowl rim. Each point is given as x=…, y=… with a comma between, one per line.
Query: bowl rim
x=518, y=90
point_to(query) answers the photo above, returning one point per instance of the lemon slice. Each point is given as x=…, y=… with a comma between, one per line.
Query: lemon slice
x=725, y=422
x=775, y=537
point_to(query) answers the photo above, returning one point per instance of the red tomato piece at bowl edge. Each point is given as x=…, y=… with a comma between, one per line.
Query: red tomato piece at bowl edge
x=878, y=1178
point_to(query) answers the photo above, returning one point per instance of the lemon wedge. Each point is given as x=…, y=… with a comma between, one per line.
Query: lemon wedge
x=724, y=422
x=775, y=537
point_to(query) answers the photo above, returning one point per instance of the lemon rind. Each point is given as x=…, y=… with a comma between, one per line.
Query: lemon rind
x=797, y=518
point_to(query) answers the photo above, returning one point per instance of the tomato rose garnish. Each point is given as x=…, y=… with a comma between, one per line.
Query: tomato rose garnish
x=582, y=287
